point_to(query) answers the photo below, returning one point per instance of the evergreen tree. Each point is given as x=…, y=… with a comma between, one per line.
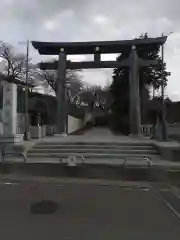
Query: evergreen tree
x=148, y=76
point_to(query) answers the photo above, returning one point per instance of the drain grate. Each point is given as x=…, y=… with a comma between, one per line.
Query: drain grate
x=44, y=207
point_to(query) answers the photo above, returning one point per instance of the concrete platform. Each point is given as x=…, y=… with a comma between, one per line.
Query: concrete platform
x=131, y=163
x=103, y=136
x=95, y=134
x=100, y=135
x=87, y=211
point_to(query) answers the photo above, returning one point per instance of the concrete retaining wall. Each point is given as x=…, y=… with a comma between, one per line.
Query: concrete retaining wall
x=88, y=117
x=174, y=129
x=168, y=150
x=38, y=131
x=74, y=124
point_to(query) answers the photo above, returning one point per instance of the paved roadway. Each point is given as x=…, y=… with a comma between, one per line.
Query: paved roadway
x=86, y=211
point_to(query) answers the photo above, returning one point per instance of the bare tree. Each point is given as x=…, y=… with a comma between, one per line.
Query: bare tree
x=96, y=96
x=74, y=85
x=13, y=61
x=14, y=64
x=47, y=79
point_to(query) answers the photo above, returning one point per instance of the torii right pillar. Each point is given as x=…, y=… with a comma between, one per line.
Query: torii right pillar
x=135, y=112
x=61, y=95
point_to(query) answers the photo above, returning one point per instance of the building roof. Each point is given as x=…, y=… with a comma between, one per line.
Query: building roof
x=70, y=48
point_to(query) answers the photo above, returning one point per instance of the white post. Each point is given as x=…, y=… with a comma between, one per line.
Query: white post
x=10, y=113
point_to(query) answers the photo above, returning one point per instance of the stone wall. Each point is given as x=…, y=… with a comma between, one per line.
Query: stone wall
x=74, y=124
x=46, y=105
x=12, y=117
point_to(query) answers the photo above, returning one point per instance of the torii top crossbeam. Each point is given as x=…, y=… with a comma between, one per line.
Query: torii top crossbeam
x=70, y=48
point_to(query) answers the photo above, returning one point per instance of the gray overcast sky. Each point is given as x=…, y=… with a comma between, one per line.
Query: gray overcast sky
x=85, y=20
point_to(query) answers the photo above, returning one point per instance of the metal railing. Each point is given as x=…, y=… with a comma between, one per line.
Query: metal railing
x=71, y=161
x=15, y=153
x=147, y=129
x=148, y=161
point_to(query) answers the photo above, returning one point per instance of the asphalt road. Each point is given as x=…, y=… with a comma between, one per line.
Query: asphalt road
x=85, y=212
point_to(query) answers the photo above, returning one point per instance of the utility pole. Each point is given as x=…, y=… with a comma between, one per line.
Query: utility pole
x=26, y=133
x=164, y=128
x=153, y=91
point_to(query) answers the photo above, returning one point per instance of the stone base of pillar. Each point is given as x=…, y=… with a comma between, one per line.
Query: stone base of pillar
x=140, y=135
x=60, y=135
x=17, y=138
x=28, y=136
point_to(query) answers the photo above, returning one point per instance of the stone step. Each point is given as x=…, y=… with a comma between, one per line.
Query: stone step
x=98, y=151
x=156, y=163
x=92, y=147
x=93, y=143
x=89, y=161
x=89, y=155
x=87, y=171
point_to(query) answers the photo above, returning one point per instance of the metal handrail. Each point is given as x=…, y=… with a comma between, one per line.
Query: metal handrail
x=149, y=162
x=23, y=154
x=16, y=154
x=125, y=161
x=82, y=157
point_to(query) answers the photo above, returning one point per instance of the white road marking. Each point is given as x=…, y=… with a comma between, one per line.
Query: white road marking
x=9, y=183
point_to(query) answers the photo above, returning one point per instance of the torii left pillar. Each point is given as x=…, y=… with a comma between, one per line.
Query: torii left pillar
x=135, y=111
x=61, y=95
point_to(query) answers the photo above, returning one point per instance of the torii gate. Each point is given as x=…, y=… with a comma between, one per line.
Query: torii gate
x=97, y=48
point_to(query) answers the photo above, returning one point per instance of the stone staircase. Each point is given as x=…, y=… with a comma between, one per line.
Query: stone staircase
x=111, y=153
x=130, y=160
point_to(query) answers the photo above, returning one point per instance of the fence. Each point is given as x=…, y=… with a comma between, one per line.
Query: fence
x=172, y=128
x=50, y=130
x=147, y=130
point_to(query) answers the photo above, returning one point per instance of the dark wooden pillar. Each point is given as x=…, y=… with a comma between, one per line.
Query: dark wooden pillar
x=135, y=113
x=61, y=94
x=97, y=57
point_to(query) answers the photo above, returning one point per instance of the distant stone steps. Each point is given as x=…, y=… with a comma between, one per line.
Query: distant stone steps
x=89, y=155
x=94, y=147
x=113, y=162
x=94, y=143
x=93, y=151
x=107, y=153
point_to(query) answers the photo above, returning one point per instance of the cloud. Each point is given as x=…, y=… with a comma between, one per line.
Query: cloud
x=174, y=96
x=100, y=19
x=57, y=21
x=84, y=20
x=50, y=25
